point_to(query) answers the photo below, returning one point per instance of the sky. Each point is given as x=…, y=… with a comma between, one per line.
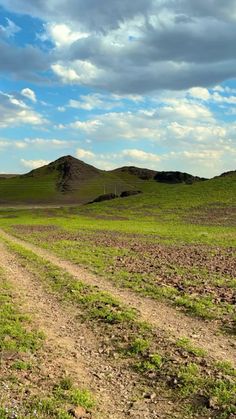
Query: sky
x=150, y=83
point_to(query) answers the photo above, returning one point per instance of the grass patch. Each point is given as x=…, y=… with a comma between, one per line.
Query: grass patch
x=186, y=344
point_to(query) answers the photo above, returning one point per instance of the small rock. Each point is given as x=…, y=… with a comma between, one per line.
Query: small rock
x=78, y=412
x=213, y=403
x=150, y=396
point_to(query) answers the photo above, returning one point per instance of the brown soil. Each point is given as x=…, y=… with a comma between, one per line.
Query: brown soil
x=157, y=314
x=214, y=215
x=208, y=270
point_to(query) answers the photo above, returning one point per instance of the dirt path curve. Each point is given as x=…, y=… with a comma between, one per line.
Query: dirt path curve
x=70, y=347
x=204, y=334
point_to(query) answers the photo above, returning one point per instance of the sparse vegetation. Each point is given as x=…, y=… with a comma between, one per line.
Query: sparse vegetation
x=21, y=348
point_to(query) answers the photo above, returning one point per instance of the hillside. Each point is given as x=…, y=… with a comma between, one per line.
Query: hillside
x=212, y=202
x=71, y=181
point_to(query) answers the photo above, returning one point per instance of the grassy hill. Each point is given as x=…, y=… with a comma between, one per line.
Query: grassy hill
x=67, y=180
x=212, y=202
x=71, y=181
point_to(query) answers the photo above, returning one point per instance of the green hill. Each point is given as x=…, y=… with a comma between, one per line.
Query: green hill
x=71, y=181
x=65, y=181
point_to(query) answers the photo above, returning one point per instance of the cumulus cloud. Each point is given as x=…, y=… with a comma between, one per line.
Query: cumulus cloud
x=141, y=155
x=15, y=112
x=84, y=154
x=153, y=124
x=61, y=34
x=29, y=94
x=34, y=164
x=134, y=47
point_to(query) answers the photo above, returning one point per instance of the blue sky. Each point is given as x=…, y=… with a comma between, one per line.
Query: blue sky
x=150, y=83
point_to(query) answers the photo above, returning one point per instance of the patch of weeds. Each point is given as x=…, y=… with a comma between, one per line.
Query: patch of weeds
x=101, y=305
x=4, y=414
x=201, y=307
x=81, y=398
x=226, y=367
x=66, y=383
x=65, y=393
x=189, y=379
x=22, y=365
x=139, y=347
x=153, y=363
x=187, y=345
x=223, y=395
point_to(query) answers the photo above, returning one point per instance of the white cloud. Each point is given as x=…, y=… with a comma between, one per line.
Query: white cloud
x=62, y=35
x=95, y=101
x=80, y=71
x=84, y=154
x=10, y=29
x=141, y=155
x=66, y=74
x=200, y=93
x=218, y=94
x=31, y=143
x=34, y=164
x=29, y=94
x=15, y=112
x=45, y=143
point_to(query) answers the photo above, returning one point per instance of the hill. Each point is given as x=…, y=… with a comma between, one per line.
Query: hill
x=71, y=181
x=64, y=181
x=69, y=173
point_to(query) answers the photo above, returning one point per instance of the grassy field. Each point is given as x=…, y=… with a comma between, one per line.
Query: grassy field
x=173, y=243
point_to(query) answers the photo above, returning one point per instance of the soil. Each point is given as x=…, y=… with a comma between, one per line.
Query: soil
x=209, y=270
x=213, y=215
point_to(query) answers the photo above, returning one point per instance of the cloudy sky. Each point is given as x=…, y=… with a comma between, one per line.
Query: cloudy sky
x=150, y=83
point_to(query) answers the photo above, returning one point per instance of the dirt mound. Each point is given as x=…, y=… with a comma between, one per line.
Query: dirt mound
x=177, y=177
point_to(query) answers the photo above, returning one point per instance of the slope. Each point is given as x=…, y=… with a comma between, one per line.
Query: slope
x=168, y=201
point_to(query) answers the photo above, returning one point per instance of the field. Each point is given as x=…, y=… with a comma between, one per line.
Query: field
x=121, y=309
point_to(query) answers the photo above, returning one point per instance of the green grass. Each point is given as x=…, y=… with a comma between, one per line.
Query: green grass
x=186, y=344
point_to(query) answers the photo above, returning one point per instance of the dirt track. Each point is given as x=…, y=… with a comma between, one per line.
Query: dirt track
x=75, y=349
x=177, y=324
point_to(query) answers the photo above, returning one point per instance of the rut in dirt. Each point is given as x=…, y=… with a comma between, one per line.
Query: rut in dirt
x=203, y=333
